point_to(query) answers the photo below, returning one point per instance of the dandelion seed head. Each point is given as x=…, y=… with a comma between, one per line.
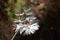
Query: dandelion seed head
x=29, y=25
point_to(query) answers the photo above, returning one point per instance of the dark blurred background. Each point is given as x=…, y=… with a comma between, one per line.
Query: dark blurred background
x=47, y=11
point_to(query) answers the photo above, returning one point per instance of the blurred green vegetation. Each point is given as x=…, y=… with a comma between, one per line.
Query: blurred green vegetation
x=14, y=7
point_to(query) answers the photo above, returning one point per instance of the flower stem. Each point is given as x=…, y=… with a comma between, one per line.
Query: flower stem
x=14, y=35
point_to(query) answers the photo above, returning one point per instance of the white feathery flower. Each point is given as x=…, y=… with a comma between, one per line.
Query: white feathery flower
x=27, y=26
x=27, y=29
